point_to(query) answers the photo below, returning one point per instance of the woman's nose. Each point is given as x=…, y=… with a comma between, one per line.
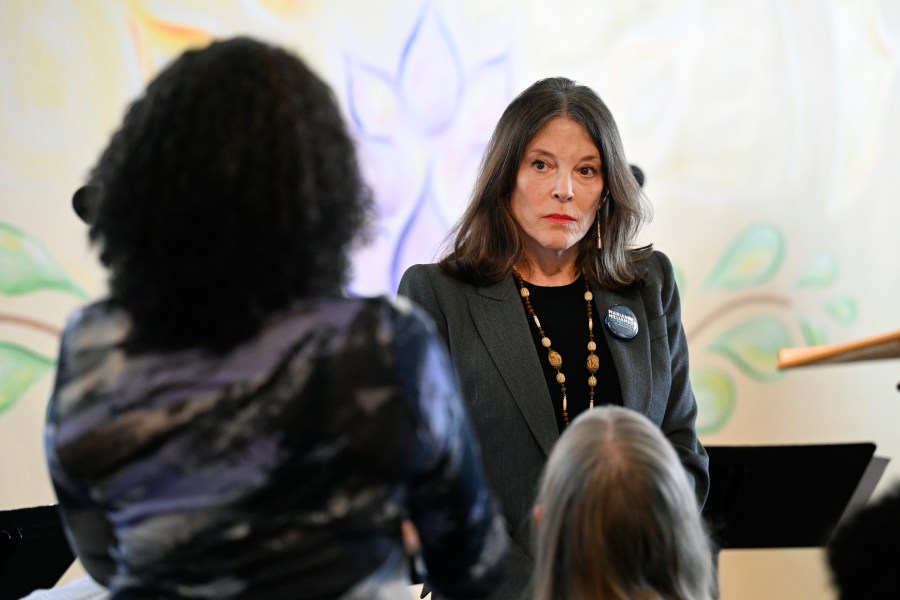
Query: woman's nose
x=563, y=190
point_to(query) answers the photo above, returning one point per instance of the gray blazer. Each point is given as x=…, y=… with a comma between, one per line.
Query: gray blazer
x=487, y=332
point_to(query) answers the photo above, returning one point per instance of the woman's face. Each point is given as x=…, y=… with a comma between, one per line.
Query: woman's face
x=557, y=192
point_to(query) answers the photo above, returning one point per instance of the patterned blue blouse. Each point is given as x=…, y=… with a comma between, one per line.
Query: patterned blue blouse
x=280, y=469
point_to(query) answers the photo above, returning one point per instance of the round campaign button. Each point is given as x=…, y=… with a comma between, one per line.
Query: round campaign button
x=621, y=321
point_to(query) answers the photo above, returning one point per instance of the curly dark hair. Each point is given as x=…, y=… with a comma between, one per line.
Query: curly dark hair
x=231, y=189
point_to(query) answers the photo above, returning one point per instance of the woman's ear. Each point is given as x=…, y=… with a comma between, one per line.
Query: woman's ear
x=538, y=513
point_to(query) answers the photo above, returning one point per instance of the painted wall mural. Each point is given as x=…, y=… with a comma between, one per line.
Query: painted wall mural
x=26, y=267
x=422, y=124
x=750, y=345
x=422, y=129
x=422, y=120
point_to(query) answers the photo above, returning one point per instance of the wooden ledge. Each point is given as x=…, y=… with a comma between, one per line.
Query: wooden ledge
x=877, y=347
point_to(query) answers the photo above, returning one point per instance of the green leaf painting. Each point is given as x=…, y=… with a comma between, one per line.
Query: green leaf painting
x=751, y=259
x=26, y=267
x=752, y=346
x=821, y=271
x=814, y=331
x=842, y=309
x=715, y=393
x=19, y=369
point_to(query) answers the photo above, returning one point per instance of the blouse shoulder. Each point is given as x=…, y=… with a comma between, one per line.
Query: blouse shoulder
x=98, y=324
x=408, y=317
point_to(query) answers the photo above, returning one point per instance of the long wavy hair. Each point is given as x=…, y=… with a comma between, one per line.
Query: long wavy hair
x=619, y=520
x=488, y=241
x=231, y=189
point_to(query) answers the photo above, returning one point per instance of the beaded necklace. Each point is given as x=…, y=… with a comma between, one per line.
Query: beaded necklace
x=554, y=357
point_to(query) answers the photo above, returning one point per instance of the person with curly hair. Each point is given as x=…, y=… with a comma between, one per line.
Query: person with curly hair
x=616, y=516
x=227, y=423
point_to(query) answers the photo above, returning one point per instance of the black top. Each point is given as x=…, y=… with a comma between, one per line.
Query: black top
x=562, y=312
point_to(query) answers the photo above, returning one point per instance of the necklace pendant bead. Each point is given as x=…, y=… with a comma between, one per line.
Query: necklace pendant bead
x=555, y=359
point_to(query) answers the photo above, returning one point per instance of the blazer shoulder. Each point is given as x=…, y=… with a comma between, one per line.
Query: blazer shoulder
x=655, y=270
x=420, y=271
x=659, y=280
x=658, y=265
x=430, y=275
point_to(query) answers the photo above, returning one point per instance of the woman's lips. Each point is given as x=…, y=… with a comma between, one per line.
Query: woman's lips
x=554, y=218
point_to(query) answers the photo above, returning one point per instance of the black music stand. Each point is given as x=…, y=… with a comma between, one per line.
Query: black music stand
x=34, y=551
x=786, y=496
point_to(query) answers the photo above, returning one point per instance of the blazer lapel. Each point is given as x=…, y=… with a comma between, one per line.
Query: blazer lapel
x=631, y=357
x=500, y=320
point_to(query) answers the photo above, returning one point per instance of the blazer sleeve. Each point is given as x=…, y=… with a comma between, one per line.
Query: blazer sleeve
x=680, y=421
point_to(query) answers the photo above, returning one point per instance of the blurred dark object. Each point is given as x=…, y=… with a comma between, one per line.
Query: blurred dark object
x=34, y=551
x=786, y=496
x=864, y=552
x=638, y=174
x=85, y=202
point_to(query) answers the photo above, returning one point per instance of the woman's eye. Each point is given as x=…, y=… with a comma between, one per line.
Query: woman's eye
x=587, y=171
x=538, y=164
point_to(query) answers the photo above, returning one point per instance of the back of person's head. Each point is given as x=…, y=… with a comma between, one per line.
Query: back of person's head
x=617, y=516
x=230, y=189
x=864, y=552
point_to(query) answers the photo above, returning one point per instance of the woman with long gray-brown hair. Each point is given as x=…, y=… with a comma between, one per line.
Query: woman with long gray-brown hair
x=616, y=516
x=548, y=306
